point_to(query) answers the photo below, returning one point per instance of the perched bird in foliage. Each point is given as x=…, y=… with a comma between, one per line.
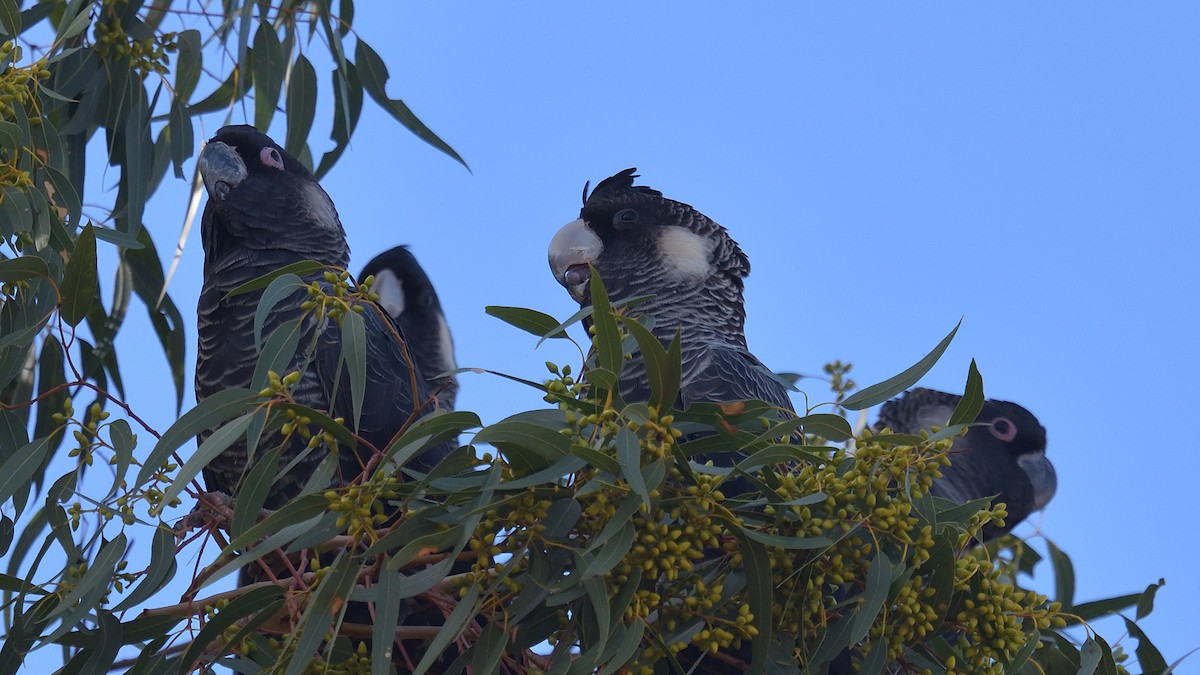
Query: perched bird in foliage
x=645, y=244
x=407, y=294
x=266, y=210
x=1003, y=453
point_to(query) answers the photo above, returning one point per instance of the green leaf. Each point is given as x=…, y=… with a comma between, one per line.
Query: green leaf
x=607, y=341
x=971, y=403
x=160, y=572
x=463, y=612
x=300, y=510
x=214, y=445
x=233, y=88
x=531, y=440
x=79, y=280
x=596, y=458
x=347, y=108
x=148, y=283
x=430, y=430
x=7, y=530
x=790, y=543
x=21, y=467
x=386, y=619
x=332, y=591
x=117, y=238
x=835, y=638
x=611, y=553
x=214, y=410
x=488, y=649
x=137, y=165
x=827, y=425
x=268, y=70
x=1064, y=576
x=65, y=195
x=759, y=592
x=664, y=367
x=97, y=577
x=1145, y=603
x=626, y=640
x=22, y=268
x=280, y=289
x=11, y=584
x=879, y=581
x=301, y=105
x=188, y=57
x=98, y=659
x=629, y=454
x=528, y=320
x=1150, y=659
x=10, y=18
x=878, y=393
x=277, y=354
x=182, y=138
x=252, y=495
x=52, y=394
x=1022, y=656
x=1097, y=608
x=374, y=76
x=299, y=269
x=354, y=355
x=255, y=606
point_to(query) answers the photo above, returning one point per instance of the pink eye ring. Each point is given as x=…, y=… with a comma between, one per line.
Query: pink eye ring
x=1003, y=429
x=271, y=157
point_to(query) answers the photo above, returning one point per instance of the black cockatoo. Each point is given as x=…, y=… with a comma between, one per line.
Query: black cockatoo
x=645, y=244
x=1003, y=453
x=407, y=294
x=266, y=210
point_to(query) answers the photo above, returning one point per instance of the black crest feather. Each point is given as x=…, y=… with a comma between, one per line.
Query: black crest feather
x=616, y=184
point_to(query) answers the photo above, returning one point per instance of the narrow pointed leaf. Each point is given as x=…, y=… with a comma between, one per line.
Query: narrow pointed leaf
x=160, y=571
x=971, y=403
x=374, y=76
x=607, y=342
x=878, y=393
x=301, y=105
x=221, y=406
x=529, y=320
x=214, y=445
x=354, y=355
x=79, y=280
x=268, y=66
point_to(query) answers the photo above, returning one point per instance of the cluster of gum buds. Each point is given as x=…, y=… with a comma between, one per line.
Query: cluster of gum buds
x=86, y=436
x=147, y=55
x=336, y=295
x=89, y=441
x=18, y=87
x=75, y=573
x=561, y=386
x=363, y=507
x=297, y=423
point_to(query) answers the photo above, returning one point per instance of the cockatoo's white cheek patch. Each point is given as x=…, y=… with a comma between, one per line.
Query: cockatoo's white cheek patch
x=686, y=254
x=320, y=205
x=446, y=345
x=390, y=290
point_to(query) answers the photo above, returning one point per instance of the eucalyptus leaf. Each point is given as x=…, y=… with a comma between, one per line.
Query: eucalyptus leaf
x=878, y=393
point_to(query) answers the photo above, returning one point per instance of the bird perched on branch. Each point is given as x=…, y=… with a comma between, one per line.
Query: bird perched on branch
x=407, y=294
x=1003, y=453
x=645, y=244
x=266, y=210
x=642, y=243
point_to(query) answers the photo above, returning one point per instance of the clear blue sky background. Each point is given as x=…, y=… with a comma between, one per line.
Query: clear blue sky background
x=1032, y=167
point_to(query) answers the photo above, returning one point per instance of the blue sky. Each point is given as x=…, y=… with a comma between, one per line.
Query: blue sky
x=1032, y=168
